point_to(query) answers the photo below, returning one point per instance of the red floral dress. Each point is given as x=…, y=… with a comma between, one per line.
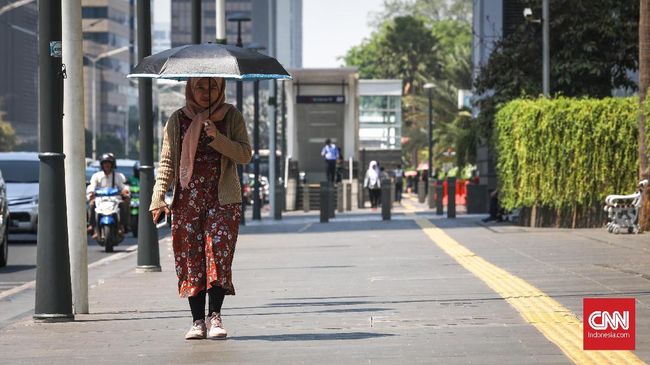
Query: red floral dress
x=204, y=233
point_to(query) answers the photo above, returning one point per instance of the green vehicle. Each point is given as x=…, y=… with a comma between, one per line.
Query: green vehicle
x=134, y=208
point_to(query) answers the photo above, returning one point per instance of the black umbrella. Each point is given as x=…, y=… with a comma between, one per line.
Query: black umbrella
x=210, y=60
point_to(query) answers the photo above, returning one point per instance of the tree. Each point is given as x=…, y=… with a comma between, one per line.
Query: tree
x=434, y=10
x=402, y=47
x=644, y=83
x=7, y=134
x=590, y=57
x=420, y=50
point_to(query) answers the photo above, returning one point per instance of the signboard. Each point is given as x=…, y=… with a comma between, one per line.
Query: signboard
x=55, y=49
x=320, y=99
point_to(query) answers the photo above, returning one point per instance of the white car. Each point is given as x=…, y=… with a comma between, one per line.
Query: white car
x=4, y=224
x=20, y=171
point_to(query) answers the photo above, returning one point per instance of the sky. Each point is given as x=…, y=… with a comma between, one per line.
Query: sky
x=331, y=27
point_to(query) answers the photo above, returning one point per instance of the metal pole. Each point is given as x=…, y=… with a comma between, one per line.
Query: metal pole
x=74, y=148
x=221, y=21
x=196, y=21
x=283, y=135
x=94, y=101
x=148, y=252
x=126, y=125
x=257, y=206
x=53, y=297
x=546, y=48
x=272, y=147
x=239, y=42
x=240, y=107
x=273, y=135
x=429, y=173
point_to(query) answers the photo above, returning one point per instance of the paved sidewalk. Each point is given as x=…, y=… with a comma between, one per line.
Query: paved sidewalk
x=355, y=290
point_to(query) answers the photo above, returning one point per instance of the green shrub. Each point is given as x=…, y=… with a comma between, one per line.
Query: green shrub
x=566, y=153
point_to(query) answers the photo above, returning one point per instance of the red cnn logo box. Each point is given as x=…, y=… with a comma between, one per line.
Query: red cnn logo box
x=608, y=323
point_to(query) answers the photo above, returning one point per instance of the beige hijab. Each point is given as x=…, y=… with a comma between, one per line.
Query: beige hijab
x=216, y=112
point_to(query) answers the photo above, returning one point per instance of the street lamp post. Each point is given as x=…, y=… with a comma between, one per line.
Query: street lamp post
x=148, y=250
x=429, y=87
x=53, y=292
x=93, y=61
x=546, y=56
x=239, y=18
x=257, y=203
x=546, y=52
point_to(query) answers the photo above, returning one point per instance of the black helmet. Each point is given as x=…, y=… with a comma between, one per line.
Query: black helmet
x=108, y=157
x=136, y=169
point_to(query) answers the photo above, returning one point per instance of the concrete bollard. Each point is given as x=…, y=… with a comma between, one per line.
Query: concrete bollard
x=305, y=198
x=451, y=197
x=348, y=197
x=340, y=197
x=431, y=197
x=362, y=196
x=386, y=200
x=279, y=202
x=440, y=194
x=332, y=197
x=421, y=191
x=324, y=202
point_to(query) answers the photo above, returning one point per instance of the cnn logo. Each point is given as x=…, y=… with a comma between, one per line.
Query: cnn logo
x=600, y=320
x=609, y=323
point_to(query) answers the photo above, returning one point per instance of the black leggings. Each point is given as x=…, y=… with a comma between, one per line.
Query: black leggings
x=216, y=295
x=375, y=197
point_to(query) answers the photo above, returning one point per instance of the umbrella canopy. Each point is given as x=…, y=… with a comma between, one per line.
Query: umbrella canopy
x=210, y=60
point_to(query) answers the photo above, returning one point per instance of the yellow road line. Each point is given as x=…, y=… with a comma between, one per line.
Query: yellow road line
x=557, y=323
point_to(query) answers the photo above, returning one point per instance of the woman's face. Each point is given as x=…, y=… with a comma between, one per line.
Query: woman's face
x=206, y=92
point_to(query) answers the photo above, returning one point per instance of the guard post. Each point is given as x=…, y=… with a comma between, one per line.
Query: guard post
x=324, y=202
x=440, y=195
x=386, y=200
x=451, y=197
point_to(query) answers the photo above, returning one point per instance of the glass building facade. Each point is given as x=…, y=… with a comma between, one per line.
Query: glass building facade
x=380, y=114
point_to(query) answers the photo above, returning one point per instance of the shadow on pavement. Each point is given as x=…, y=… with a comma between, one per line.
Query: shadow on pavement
x=313, y=337
x=333, y=226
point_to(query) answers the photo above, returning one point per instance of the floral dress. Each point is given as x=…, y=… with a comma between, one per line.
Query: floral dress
x=204, y=233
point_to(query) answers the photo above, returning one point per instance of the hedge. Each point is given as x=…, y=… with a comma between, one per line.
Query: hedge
x=566, y=155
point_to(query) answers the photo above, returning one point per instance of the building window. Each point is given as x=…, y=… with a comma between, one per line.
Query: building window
x=380, y=121
x=94, y=12
x=106, y=38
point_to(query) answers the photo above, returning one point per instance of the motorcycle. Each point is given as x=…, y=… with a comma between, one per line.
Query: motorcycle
x=107, y=210
x=134, y=209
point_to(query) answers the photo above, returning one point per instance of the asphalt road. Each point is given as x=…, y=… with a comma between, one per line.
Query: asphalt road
x=21, y=266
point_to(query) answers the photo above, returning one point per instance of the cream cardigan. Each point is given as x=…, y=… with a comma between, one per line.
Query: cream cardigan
x=235, y=149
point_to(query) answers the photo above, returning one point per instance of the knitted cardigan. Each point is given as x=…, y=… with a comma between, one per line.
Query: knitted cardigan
x=235, y=149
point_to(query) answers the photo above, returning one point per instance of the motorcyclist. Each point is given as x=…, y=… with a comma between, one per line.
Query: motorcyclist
x=105, y=178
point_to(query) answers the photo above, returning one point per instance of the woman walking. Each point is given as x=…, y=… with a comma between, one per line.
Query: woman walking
x=372, y=182
x=202, y=145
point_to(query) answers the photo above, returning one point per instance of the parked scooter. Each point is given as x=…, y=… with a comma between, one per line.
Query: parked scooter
x=107, y=210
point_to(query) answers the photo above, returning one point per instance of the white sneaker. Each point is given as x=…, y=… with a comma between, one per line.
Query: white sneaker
x=197, y=332
x=216, y=328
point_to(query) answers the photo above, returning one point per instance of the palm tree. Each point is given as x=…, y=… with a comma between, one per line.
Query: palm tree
x=644, y=82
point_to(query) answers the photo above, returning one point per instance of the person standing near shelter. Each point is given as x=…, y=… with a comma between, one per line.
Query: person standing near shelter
x=399, y=183
x=373, y=184
x=331, y=154
x=202, y=145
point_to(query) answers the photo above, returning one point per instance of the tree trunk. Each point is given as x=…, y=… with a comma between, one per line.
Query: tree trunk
x=644, y=82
